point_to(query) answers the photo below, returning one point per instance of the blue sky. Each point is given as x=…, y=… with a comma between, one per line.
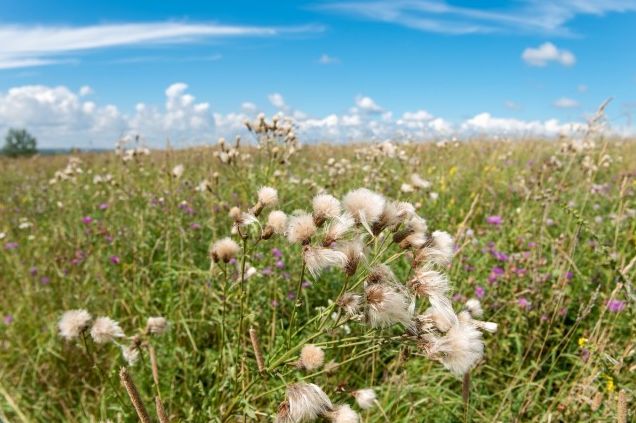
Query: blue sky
x=345, y=70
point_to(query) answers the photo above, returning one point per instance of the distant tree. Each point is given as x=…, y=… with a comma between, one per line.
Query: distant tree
x=19, y=142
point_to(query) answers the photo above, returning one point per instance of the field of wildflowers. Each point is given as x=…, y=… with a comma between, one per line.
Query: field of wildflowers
x=483, y=280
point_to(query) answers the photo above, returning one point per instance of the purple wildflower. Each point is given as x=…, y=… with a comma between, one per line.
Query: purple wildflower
x=11, y=245
x=115, y=259
x=87, y=220
x=280, y=264
x=494, y=220
x=8, y=319
x=103, y=206
x=33, y=271
x=267, y=271
x=195, y=226
x=480, y=292
x=615, y=306
x=45, y=280
x=277, y=253
x=523, y=303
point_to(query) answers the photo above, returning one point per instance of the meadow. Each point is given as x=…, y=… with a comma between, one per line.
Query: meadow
x=311, y=315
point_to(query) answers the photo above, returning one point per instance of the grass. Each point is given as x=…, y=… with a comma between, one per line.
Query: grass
x=565, y=248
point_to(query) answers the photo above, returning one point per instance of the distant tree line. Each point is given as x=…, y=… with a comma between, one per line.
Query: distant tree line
x=19, y=143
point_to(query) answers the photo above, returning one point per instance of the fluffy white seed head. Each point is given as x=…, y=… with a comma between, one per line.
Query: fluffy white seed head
x=442, y=250
x=386, y=305
x=338, y=228
x=157, y=325
x=354, y=250
x=224, y=250
x=381, y=273
x=418, y=182
x=177, y=171
x=474, y=307
x=106, y=330
x=301, y=228
x=311, y=357
x=319, y=258
x=364, y=205
x=267, y=196
x=130, y=354
x=460, y=349
x=350, y=303
x=365, y=398
x=429, y=283
x=277, y=220
x=343, y=414
x=442, y=318
x=325, y=206
x=304, y=402
x=73, y=322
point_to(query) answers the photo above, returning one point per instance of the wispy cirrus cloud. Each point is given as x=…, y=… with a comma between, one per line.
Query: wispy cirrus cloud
x=524, y=16
x=27, y=46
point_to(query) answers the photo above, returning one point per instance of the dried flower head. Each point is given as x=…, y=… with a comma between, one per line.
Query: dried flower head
x=301, y=228
x=105, y=330
x=304, y=401
x=267, y=196
x=177, y=171
x=224, y=250
x=343, y=414
x=319, y=258
x=276, y=224
x=311, y=357
x=365, y=398
x=386, y=305
x=441, y=318
x=156, y=325
x=325, y=207
x=354, y=250
x=381, y=273
x=474, y=307
x=130, y=353
x=350, y=303
x=240, y=218
x=460, y=349
x=438, y=251
x=73, y=322
x=365, y=206
x=338, y=228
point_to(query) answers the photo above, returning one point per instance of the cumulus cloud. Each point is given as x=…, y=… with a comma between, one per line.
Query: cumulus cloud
x=277, y=100
x=367, y=104
x=26, y=46
x=566, y=103
x=546, y=53
x=61, y=117
x=485, y=123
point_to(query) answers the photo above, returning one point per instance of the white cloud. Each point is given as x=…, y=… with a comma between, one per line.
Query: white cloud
x=85, y=91
x=325, y=59
x=485, y=123
x=25, y=46
x=524, y=16
x=546, y=53
x=60, y=117
x=277, y=100
x=248, y=107
x=566, y=103
x=367, y=104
